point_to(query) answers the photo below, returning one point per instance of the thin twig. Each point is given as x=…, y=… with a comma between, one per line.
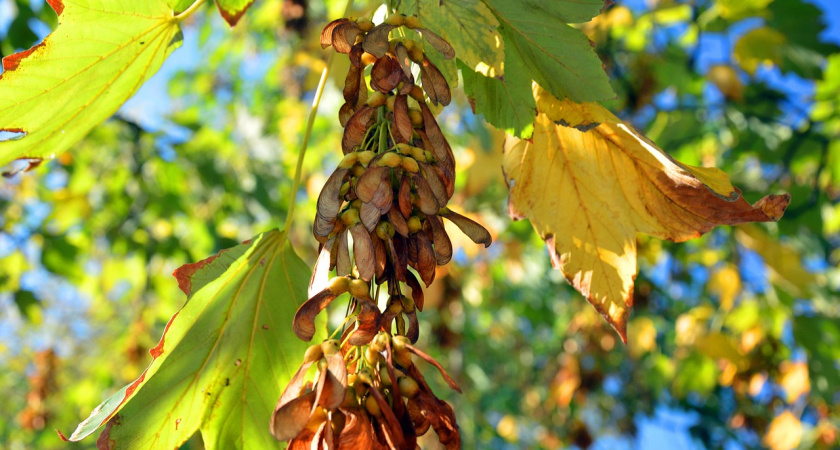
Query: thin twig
x=309, y=124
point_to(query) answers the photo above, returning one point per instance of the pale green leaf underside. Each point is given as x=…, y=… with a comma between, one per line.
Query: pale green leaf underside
x=507, y=102
x=552, y=53
x=226, y=357
x=567, y=11
x=96, y=59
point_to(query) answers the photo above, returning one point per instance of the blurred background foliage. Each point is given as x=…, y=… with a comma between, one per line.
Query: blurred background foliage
x=735, y=337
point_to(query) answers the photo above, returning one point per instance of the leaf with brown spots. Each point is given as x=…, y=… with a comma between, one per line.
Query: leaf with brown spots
x=588, y=193
x=240, y=305
x=92, y=63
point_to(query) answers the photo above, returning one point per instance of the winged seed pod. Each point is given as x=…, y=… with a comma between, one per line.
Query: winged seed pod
x=386, y=198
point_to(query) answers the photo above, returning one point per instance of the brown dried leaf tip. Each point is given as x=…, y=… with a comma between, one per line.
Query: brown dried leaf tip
x=379, y=221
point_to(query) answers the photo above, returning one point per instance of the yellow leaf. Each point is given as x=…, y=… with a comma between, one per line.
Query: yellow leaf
x=785, y=263
x=759, y=46
x=784, y=432
x=566, y=112
x=720, y=346
x=726, y=79
x=794, y=380
x=641, y=334
x=726, y=284
x=738, y=9
x=588, y=193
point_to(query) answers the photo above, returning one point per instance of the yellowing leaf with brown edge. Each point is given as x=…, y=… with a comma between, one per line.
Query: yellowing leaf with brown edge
x=587, y=193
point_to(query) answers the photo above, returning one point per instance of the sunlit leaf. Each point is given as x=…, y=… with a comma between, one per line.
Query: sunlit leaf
x=232, y=10
x=505, y=102
x=471, y=28
x=223, y=358
x=759, y=46
x=95, y=60
x=784, y=432
x=784, y=261
x=738, y=9
x=588, y=193
x=794, y=380
x=555, y=55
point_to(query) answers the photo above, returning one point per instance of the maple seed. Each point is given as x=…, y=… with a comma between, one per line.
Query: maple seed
x=350, y=217
x=390, y=159
x=348, y=161
x=417, y=94
x=313, y=353
x=417, y=54
x=404, y=149
x=408, y=387
x=372, y=356
x=372, y=407
x=414, y=224
x=395, y=20
x=364, y=24
x=358, y=288
x=365, y=157
x=339, y=285
x=358, y=170
x=330, y=347
x=382, y=230
x=412, y=22
x=376, y=99
x=410, y=165
x=416, y=117
x=368, y=59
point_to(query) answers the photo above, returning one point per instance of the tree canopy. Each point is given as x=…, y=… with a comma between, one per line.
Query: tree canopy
x=665, y=173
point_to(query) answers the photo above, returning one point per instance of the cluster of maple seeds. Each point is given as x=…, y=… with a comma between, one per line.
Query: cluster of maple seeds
x=388, y=193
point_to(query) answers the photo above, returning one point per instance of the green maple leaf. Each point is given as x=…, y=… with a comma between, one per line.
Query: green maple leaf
x=95, y=60
x=506, y=102
x=539, y=46
x=223, y=360
x=469, y=26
